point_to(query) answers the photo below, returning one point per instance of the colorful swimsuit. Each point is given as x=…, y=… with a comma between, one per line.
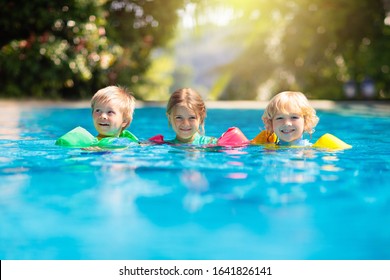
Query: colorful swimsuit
x=198, y=140
x=297, y=143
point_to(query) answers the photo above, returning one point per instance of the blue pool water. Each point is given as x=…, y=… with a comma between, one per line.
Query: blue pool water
x=164, y=202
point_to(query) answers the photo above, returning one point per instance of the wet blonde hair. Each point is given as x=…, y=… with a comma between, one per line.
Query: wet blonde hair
x=119, y=96
x=191, y=99
x=291, y=102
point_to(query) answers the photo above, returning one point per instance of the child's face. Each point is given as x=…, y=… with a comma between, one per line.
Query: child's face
x=184, y=122
x=108, y=120
x=288, y=127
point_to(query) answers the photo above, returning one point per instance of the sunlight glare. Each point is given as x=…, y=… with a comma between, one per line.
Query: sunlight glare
x=219, y=16
x=387, y=19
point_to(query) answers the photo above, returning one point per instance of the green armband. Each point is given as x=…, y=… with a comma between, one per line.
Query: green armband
x=128, y=134
x=125, y=139
x=81, y=138
x=77, y=138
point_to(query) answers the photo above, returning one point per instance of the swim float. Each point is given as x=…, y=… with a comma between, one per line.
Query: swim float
x=329, y=141
x=231, y=137
x=326, y=141
x=80, y=138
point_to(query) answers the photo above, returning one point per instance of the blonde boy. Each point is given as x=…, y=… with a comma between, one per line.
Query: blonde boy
x=287, y=116
x=112, y=111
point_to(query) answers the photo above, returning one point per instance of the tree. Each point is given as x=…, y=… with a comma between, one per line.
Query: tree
x=329, y=42
x=139, y=27
x=70, y=48
x=309, y=45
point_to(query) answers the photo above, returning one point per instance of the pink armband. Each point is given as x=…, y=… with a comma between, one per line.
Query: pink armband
x=158, y=139
x=233, y=137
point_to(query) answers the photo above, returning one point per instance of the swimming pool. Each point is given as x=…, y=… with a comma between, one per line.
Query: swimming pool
x=164, y=202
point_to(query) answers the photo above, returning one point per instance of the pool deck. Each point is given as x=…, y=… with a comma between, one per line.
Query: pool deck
x=376, y=107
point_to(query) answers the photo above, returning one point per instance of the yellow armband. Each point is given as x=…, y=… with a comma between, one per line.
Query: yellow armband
x=331, y=142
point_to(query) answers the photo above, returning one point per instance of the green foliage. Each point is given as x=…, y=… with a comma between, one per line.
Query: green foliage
x=323, y=33
x=70, y=48
x=58, y=51
x=158, y=79
x=314, y=46
x=140, y=27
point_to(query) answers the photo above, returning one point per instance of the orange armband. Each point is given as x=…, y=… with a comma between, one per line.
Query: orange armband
x=264, y=137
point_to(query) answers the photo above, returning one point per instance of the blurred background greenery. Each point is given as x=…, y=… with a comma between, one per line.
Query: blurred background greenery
x=227, y=50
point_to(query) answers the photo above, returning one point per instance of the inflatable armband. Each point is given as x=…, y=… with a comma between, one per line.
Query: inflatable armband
x=81, y=138
x=78, y=138
x=115, y=142
x=127, y=134
x=331, y=142
x=158, y=139
x=232, y=137
x=264, y=137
